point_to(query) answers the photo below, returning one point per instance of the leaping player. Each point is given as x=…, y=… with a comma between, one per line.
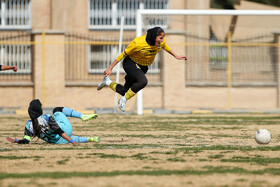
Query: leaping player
x=138, y=55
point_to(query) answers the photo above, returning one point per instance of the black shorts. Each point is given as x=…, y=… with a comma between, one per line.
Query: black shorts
x=135, y=77
x=131, y=67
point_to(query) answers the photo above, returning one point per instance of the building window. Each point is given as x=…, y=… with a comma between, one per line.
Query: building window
x=101, y=56
x=15, y=14
x=106, y=14
x=16, y=55
x=155, y=66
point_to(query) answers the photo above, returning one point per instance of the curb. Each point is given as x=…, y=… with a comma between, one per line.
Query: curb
x=148, y=111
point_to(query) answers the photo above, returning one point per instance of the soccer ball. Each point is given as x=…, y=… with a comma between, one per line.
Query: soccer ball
x=262, y=136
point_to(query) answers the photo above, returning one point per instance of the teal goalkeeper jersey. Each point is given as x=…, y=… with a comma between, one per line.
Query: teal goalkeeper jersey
x=48, y=129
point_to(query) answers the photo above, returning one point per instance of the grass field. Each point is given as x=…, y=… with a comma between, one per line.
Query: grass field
x=149, y=150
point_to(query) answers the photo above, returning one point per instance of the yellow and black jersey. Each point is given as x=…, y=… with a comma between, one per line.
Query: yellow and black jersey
x=141, y=52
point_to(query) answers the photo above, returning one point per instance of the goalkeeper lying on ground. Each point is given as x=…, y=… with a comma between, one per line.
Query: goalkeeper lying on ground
x=53, y=129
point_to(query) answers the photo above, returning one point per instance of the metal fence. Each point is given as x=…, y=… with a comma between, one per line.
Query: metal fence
x=88, y=56
x=253, y=61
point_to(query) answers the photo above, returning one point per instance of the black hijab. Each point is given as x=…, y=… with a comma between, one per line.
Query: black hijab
x=152, y=35
x=35, y=109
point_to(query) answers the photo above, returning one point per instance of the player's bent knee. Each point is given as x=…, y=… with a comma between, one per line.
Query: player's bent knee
x=143, y=83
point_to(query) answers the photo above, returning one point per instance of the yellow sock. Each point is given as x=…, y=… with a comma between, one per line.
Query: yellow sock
x=113, y=86
x=129, y=94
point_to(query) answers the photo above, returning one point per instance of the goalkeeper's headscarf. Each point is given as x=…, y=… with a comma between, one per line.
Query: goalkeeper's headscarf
x=35, y=111
x=152, y=35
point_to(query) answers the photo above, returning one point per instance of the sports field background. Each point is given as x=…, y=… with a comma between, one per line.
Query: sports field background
x=149, y=150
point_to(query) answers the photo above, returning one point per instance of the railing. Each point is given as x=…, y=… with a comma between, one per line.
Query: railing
x=16, y=50
x=15, y=14
x=87, y=57
x=106, y=14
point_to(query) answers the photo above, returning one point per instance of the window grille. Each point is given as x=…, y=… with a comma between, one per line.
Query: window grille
x=15, y=14
x=16, y=55
x=106, y=14
x=101, y=56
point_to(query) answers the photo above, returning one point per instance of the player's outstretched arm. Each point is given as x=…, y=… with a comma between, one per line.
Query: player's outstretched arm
x=66, y=137
x=178, y=57
x=108, y=71
x=12, y=140
x=15, y=140
x=14, y=68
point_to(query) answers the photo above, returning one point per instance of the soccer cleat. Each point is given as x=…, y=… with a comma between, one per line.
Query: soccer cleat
x=103, y=83
x=94, y=139
x=122, y=103
x=87, y=117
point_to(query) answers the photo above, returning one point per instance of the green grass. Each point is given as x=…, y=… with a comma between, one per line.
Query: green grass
x=139, y=156
x=13, y=157
x=181, y=147
x=176, y=159
x=63, y=162
x=206, y=171
x=216, y=156
x=103, y=155
x=257, y=160
x=36, y=158
x=231, y=147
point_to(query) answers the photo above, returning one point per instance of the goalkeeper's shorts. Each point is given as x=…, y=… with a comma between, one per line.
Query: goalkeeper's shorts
x=64, y=124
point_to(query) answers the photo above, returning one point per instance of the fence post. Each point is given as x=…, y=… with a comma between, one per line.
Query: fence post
x=229, y=71
x=44, y=67
x=277, y=61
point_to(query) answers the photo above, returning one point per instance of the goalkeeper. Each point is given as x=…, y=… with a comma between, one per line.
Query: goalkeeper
x=52, y=129
x=139, y=54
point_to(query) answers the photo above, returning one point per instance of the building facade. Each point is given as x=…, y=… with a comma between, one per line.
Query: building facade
x=62, y=48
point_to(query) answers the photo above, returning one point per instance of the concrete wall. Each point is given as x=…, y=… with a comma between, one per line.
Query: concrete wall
x=16, y=96
x=242, y=98
x=49, y=86
x=41, y=11
x=70, y=15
